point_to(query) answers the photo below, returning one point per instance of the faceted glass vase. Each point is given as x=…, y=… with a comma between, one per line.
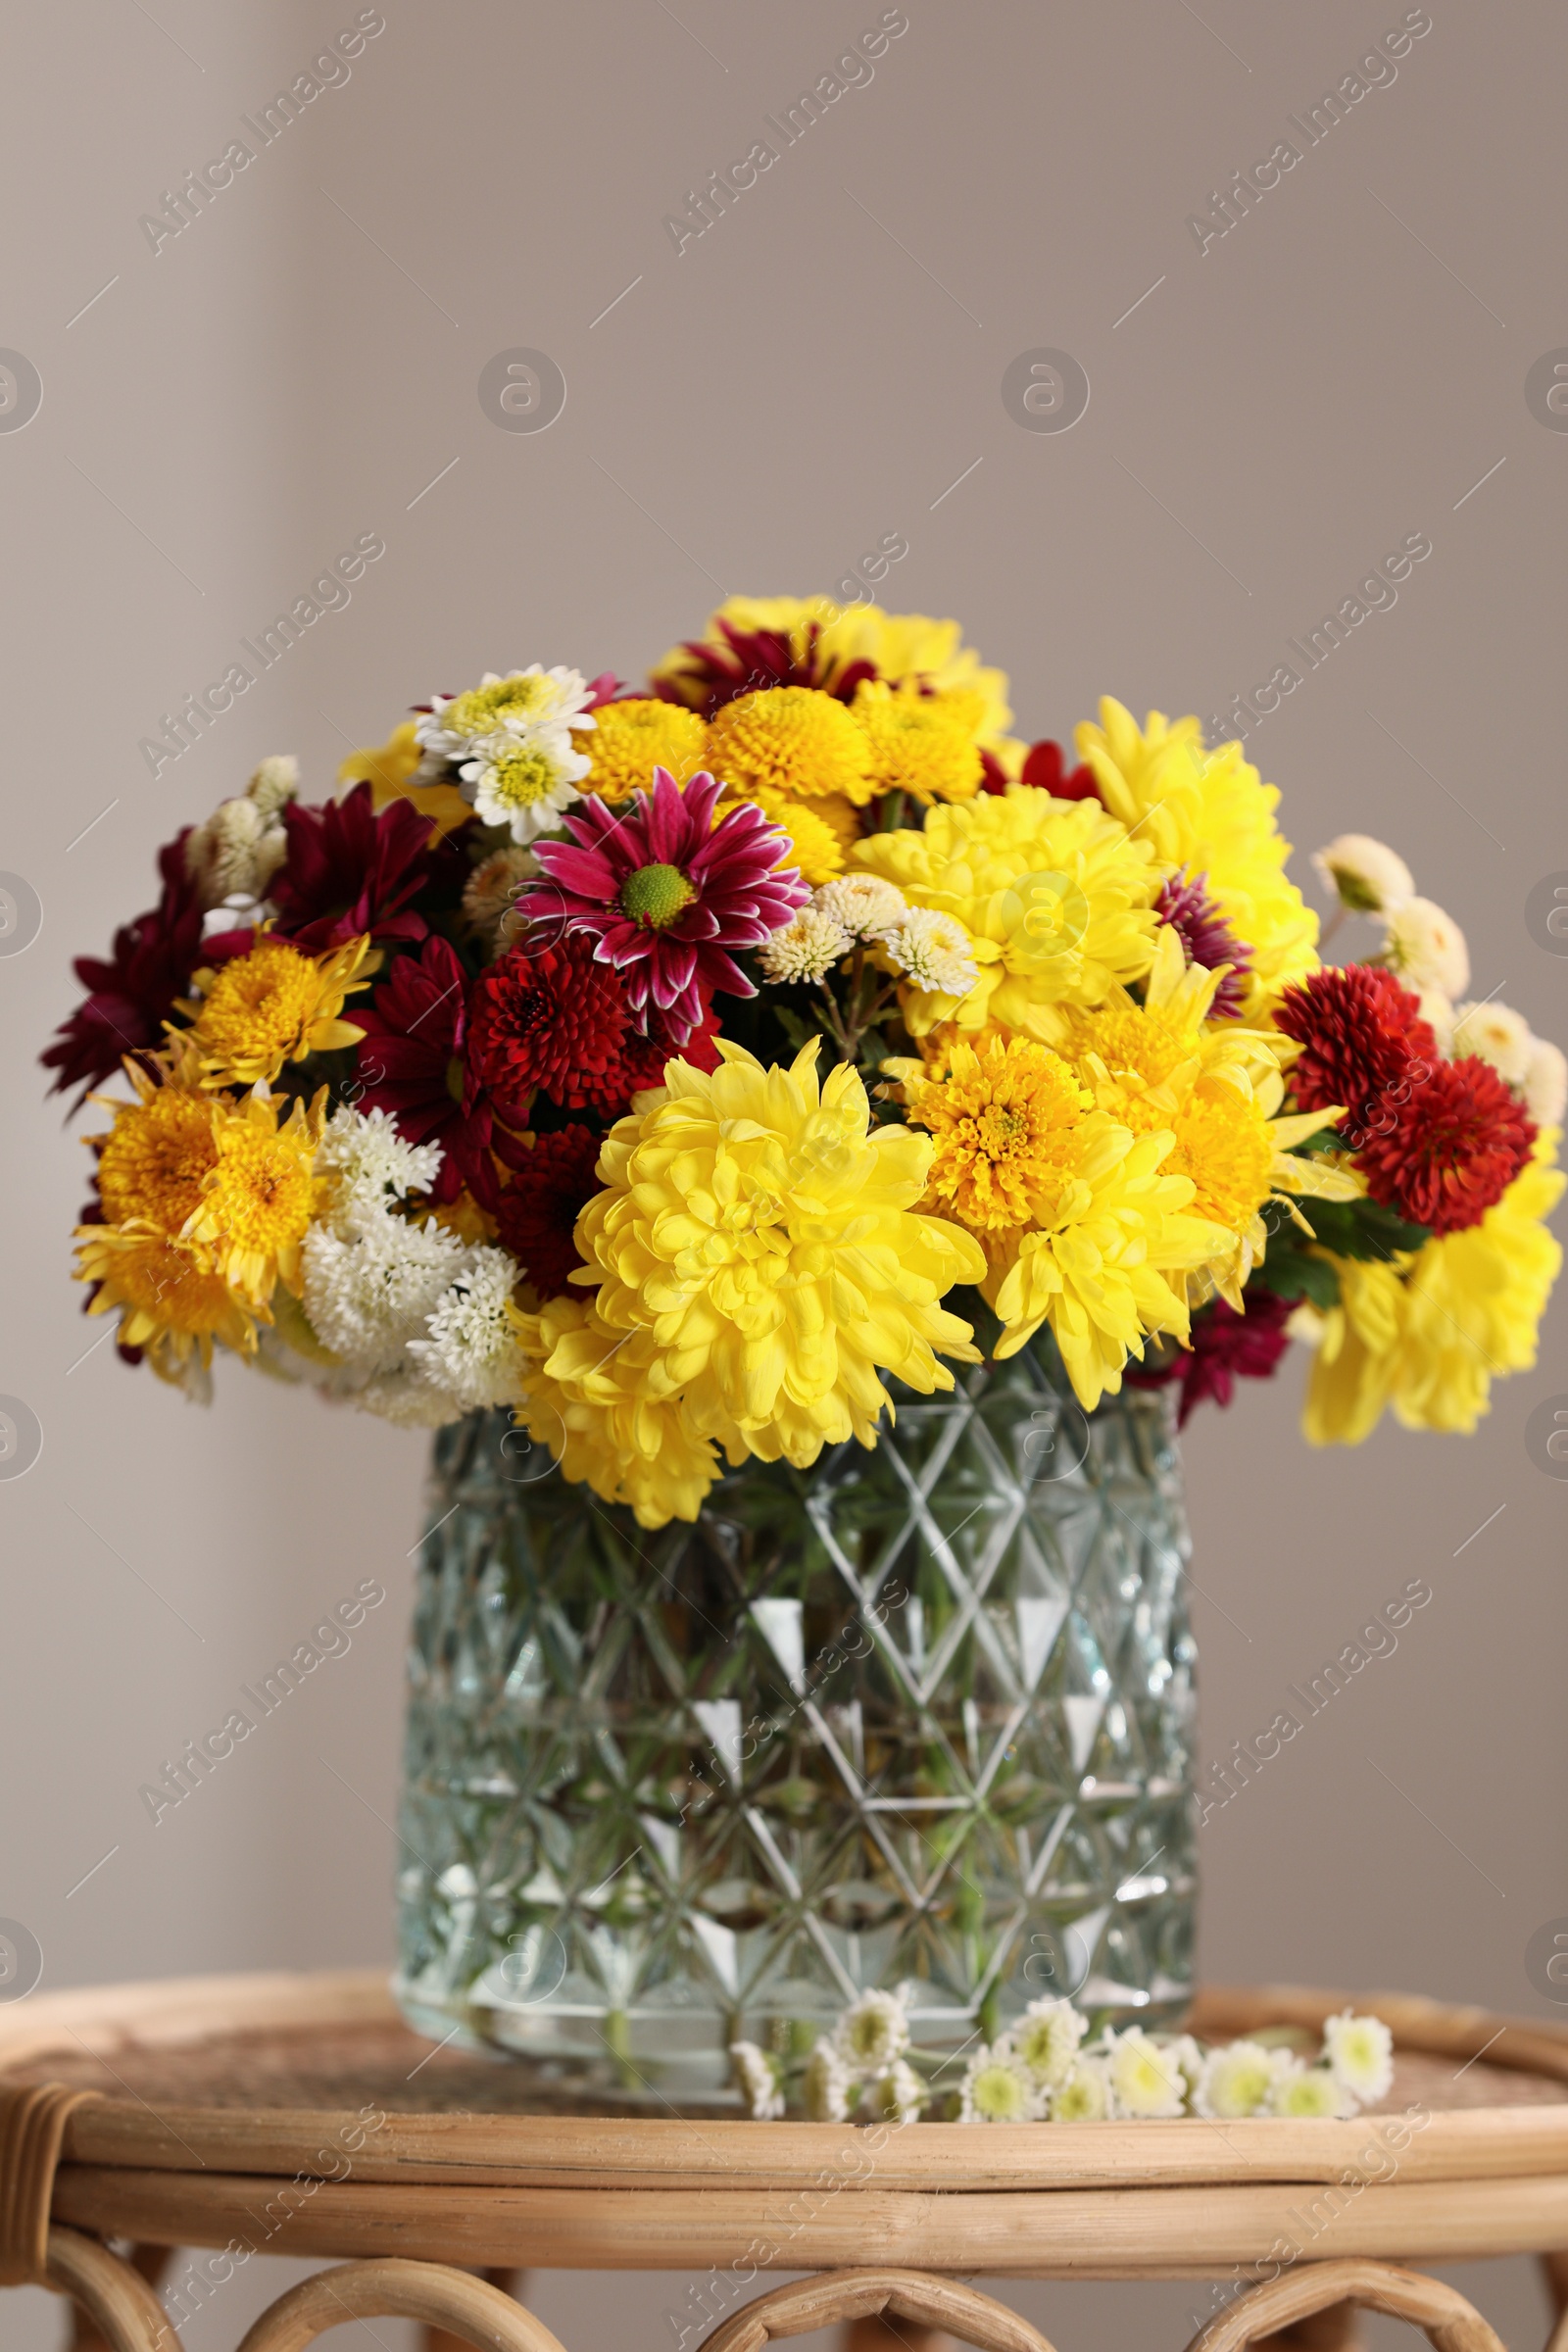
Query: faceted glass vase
x=920, y=1716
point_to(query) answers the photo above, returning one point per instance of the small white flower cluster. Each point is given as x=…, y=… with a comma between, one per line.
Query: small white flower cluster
x=413, y=1319
x=1045, y=2070
x=514, y=755
x=931, y=949
x=1426, y=949
x=233, y=856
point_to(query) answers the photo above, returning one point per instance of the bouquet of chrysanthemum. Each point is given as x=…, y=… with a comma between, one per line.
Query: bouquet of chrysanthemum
x=658, y=1065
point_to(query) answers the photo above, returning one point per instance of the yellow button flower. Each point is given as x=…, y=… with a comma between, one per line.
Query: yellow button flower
x=630, y=739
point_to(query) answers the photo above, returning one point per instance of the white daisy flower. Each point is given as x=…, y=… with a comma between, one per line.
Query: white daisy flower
x=935, y=950
x=1366, y=876
x=1145, y=2077
x=898, y=2095
x=1240, y=2080
x=872, y=2032
x=758, y=2077
x=1426, y=947
x=527, y=785
x=1437, y=1010
x=1084, y=2096
x=827, y=2085
x=518, y=703
x=1499, y=1034
x=1046, y=2037
x=1309, y=2090
x=1545, y=1083
x=472, y=1350
x=864, y=903
x=806, y=948
x=1359, y=2051
x=368, y=1295
x=998, y=2088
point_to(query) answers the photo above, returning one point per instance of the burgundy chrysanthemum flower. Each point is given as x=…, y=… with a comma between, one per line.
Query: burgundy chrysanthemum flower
x=553, y=1180
x=1451, y=1151
x=414, y=1062
x=664, y=891
x=349, y=871
x=1206, y=939
x=1225, y=1347
x=132, y=994
x=1365, y=1045
x=550, y=1017
x=757, y=659
x=1046, y=767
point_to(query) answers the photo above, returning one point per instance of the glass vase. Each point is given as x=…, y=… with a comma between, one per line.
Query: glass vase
x=919, y=1716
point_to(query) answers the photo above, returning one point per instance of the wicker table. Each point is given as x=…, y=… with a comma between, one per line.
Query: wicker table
x=297, y=2115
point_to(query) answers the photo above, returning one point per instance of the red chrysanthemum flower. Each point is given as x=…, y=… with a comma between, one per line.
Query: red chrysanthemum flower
x=550, y=1017
x=1206, y=939
x=757, y=659
x=664, y=891
x=553, y=1179
x=1365, y=1045
x=414, y=1062
x=1451, y=1151
x=349, y=871
x=1047, y=769
x=1226, y=1346
x=132, y=994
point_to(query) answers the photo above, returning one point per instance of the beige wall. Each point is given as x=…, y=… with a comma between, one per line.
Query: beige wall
x=811, y=373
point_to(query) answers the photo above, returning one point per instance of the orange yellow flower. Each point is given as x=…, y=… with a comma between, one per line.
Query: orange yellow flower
x=632, y=738
x=274, y=1005
x=258, y=1196
x=790, y=739
x=172, y=1300
x=925, y=744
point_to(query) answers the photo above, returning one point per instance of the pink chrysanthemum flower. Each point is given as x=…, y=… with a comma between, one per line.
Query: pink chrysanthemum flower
x=664, y=892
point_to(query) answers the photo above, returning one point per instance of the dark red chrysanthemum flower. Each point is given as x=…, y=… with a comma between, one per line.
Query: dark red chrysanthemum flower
x=754, y=659
x=132, y=994
x=1452, y=1149
x=550, y=1017
x=1365, y=1045
x=416, y=1063
x=664, y=891
x=1225, y=1347
x=1046, y=767
x=351, y=871
x=553, y=1178
x=1206, y=939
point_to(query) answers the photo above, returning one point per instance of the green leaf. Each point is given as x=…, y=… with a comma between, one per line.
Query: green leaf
x=1363, y=1229
x=1327, y=1139
x=1299, y=1274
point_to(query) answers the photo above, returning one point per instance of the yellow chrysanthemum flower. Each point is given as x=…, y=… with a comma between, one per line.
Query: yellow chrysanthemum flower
x=390, y=772
x=1155, y=1067
x=260, y=1194
x=630, y=739
x=584, y=1398
x=272, y=1006
x=1055, y=897
x=924, y=743
x=153, y=1160
x=760, y=1236
x=1211, y=814
x=817, y=844
x=791, y=739
x=1081, y=1223
x=172, y=1299
x=1428, y=1333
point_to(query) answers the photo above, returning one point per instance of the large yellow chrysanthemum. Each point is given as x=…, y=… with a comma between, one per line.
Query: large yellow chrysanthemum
x=584, y=1396
x=630, y=739
x=1429, y=1333
x=1217, y=1090
x=390, y=770
x=172, y=1299
x=816, y=840
x=791, y=739
x=1208, y=813
x=901, y=645
x=924, y=743
x=1082, y=1225
x=153, y=1160
x=1055, y=895
x=272, y=1006
x=258, y=1196
x=761, y=1237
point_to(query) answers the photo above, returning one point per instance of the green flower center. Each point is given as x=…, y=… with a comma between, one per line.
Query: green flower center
x=998, y=2095
x=522, y=777
x=655, y=895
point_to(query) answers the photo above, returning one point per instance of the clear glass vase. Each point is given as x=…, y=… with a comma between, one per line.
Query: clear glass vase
x=921, y=1715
